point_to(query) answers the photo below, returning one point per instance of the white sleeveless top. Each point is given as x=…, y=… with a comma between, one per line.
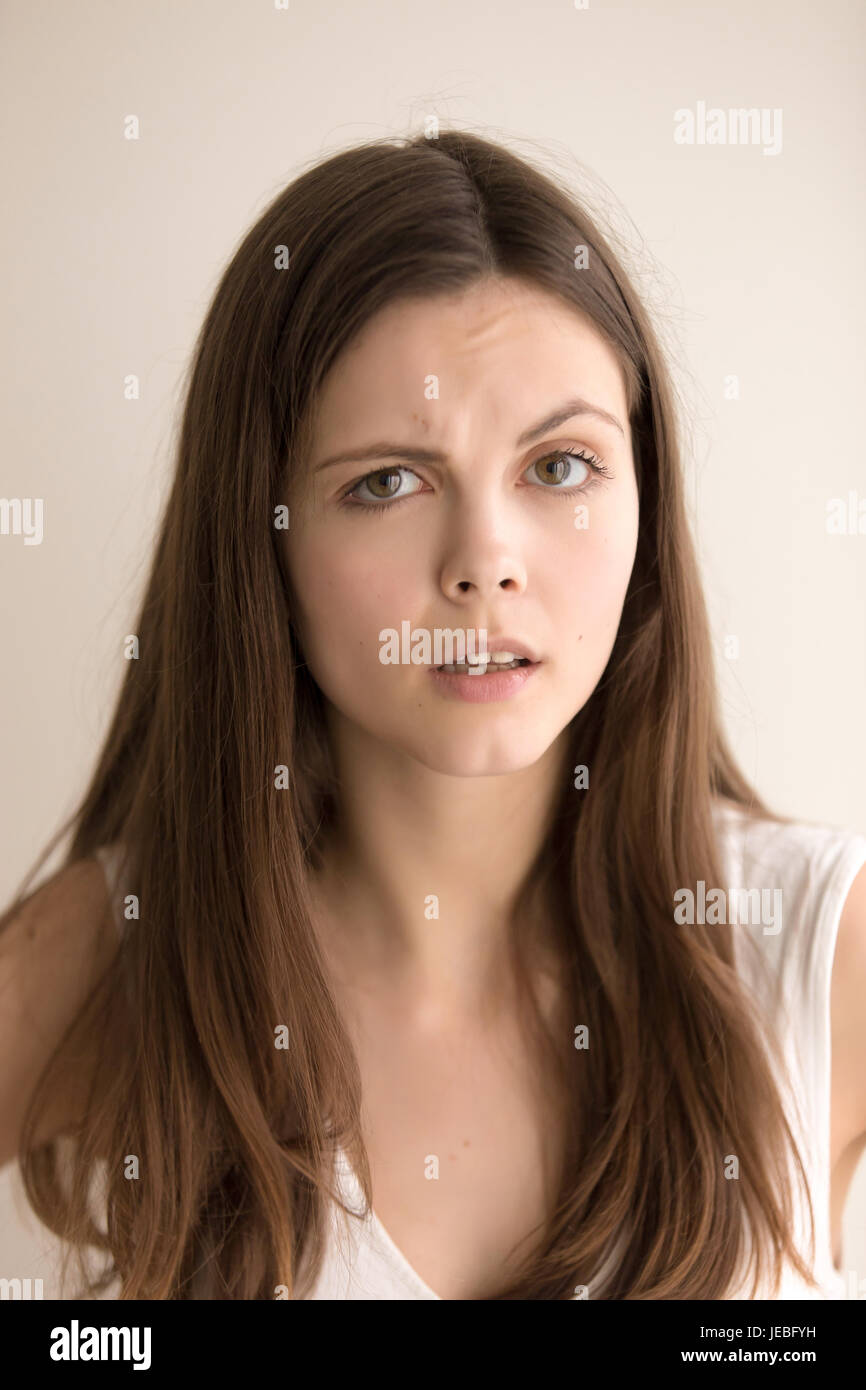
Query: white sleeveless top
x=802, y=874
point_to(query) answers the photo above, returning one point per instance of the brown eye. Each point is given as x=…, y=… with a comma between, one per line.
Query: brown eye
x=374, y=480
x=380, y=496
x=560, y=467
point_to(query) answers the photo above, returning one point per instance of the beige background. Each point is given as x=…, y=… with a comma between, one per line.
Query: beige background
x=752, y=262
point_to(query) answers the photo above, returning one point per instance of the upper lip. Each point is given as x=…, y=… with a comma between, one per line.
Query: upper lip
x=508, y=644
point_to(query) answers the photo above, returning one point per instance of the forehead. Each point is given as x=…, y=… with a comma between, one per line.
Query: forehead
x=501, y=350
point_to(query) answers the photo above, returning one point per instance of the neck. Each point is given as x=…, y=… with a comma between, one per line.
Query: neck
x=422, y=872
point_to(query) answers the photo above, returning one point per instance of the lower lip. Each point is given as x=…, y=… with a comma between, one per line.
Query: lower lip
x=480, y=690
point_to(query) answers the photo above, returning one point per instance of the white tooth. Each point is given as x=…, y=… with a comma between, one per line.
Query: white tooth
x=474, y=668
x=502, y=656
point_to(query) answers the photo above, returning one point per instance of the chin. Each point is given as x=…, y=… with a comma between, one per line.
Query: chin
x=486, y=756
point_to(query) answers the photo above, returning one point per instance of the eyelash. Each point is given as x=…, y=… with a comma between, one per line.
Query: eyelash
x=599, y=471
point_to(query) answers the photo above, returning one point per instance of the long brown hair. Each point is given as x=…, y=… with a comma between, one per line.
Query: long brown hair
x=235, y=1137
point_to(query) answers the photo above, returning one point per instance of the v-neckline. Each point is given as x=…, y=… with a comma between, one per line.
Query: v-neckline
x=394, y=1251
x=351, y=1189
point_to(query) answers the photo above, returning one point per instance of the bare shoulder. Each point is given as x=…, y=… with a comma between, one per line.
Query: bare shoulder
x=848, y=1020
x=52, y=951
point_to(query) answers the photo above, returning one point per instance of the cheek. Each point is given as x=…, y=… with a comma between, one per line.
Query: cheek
x=588, y=572
x=345, y=597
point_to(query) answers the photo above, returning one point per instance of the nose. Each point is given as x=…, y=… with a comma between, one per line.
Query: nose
x=480, y=586
x=477, y=567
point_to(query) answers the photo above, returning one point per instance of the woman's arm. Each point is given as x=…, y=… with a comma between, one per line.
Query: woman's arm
x=848, y=1024
x=51, y=953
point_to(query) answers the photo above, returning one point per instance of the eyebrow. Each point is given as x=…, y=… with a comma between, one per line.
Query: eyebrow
x=569, y=410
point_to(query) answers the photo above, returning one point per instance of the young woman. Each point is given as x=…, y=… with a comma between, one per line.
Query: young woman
x=433, y=984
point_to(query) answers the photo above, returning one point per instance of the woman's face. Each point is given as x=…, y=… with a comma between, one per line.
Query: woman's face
x=486, y=529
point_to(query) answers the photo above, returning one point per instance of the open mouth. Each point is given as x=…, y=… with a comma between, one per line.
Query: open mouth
x=479, y=668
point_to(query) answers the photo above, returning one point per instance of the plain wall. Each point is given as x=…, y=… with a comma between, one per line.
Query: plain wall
x=752, y=263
